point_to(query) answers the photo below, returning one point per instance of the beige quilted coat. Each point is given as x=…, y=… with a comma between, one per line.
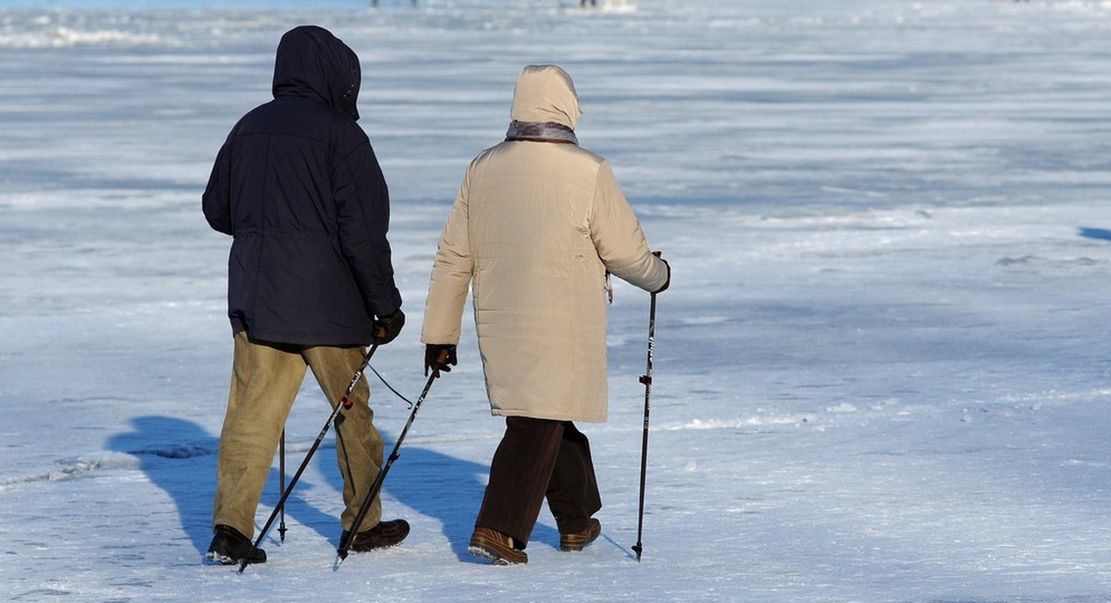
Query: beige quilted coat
x=535, y=227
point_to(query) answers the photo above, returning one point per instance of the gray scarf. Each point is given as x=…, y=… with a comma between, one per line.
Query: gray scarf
x=541, y=132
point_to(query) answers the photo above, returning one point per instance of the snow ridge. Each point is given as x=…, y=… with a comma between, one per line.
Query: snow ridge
x=78, y=468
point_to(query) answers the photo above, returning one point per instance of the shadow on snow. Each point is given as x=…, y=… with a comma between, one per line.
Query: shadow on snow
x=1094, y=233
x=162, y=443
x=431, y=483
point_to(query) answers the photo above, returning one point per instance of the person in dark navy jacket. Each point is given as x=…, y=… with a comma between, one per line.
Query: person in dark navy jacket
x=310, y=281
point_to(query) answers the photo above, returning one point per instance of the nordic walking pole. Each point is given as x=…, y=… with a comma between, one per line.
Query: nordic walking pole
x=646, y=379
x=343, y=403
x=376, y=487
x=281, y=483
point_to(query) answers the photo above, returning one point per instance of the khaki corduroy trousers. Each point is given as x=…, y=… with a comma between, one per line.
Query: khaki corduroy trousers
x=265, y=381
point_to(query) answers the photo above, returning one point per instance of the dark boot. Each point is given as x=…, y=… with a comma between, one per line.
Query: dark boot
x=386, y=533
x=495, y=546
x=230, y=547
x=577, y=541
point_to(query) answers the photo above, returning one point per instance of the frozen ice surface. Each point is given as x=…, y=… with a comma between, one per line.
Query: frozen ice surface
x=882, y=370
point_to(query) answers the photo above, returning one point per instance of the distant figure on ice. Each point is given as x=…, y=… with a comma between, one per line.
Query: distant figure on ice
x=582, y=3
x=310, y=280
x=537, y=224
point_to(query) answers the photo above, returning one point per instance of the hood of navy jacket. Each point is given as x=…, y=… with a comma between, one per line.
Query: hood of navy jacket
x=313, y=63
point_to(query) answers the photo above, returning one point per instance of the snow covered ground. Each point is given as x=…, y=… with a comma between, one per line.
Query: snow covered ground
x=883, y=370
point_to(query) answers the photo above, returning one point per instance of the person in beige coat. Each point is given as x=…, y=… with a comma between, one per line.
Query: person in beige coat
x=536, y=227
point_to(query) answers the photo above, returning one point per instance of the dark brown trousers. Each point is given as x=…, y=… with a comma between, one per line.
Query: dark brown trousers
x=539, y=458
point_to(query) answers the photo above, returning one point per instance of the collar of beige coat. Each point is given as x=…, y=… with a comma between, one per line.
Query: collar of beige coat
x=545, y=132
x=545, y=93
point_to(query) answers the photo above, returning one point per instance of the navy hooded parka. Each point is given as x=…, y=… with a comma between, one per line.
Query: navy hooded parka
x=298, y=187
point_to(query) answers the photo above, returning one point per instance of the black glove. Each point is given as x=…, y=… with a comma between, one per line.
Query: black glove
x=668, y=282
x=437, y=357
x=388, y=327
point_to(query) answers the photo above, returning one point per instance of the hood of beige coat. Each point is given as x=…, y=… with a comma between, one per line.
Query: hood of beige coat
x=545, y=93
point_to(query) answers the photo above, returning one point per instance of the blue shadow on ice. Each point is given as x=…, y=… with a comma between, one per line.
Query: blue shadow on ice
x=1095, y=233
x=179, y=457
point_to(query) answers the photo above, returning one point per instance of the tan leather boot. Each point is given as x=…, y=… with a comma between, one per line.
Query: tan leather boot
x=495, y=546
x=577, y=541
